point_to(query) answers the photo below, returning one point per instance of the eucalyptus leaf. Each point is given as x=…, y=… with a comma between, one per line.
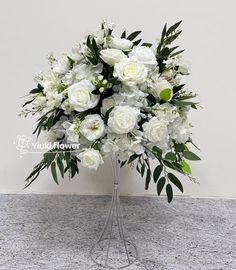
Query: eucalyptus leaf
x=190, y=155
x=185, y=166
x=133, y=35
x=60, y=166
x=160, y=185
x=170, y=156
x=157, y=172
x=53, y=171
x=169, y=192
x=175, y=181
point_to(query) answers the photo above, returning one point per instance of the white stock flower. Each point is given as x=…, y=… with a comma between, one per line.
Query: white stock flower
x=136, y=147
x=72, y=131
x=81, y=97
x=109, y=146
x=130, y=71
x=99, y=36
x=53, y=99
x=80, y=72
x=145, y=55
x=121, y=44
x=39, y=101
x=62, y=65
x=92, y=127
x=122, y=119
x=112, y=56
x=66, y=107
x=180, y=64
x=155, y=130
x=91, y=158
x=107, y=104
x=51, y=82
x=165, y=112
x=180, y=130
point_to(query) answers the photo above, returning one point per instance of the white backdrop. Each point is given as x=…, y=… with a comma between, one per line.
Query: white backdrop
x=31, y=29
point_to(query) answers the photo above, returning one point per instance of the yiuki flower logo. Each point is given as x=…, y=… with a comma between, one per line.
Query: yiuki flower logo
x=25, y=145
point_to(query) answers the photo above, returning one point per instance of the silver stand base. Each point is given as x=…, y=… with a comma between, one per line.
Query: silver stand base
x=113, y=249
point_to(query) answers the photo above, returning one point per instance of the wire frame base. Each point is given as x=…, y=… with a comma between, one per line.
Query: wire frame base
x=113, y=249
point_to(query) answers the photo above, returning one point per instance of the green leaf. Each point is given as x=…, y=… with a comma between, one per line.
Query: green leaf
x=49, y=157
x=53, y=171
x=149, y=45
x=169, y=192
x=50, y=121
x=60, y=166
x=132, y=158
x=175, y=181
x=148, y=179
x=180, y=147
x=142, y=169
x=176, y=53
x=166, y=94
x=123, y=34
x=92, y=60
x=27, y=102
x=173, y=165
x=178, y=88
x=160, y=185
x=157, y=172
x=133, y=35
x=163, y=33
x=170, y=156
x=185, y=166
x=122, y=163
x=136, y=43
x=183, y=103
x=157, y=152
x=190, y=155
x=36, y=91
x=173, y=28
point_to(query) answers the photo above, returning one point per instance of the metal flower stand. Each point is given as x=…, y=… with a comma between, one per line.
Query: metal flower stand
x=113, y=250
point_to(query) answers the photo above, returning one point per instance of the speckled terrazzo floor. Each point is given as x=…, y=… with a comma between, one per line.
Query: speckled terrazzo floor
x=55, y=232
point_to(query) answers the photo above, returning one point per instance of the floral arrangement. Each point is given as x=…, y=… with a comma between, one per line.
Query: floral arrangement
x=112, y=95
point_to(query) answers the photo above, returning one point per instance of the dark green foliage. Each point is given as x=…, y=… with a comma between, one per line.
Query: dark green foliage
x=163, y=51
x=175, y=181
x=133, y=35
x=169, y=192
x=157, y=172
x=160, y=185
x=190, y=155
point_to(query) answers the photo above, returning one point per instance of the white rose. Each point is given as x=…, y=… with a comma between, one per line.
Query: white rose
x=130, y=71
x=155, y=130
x=122, y=119
x=145, y=55
x=81, y=97
x=62, y=65
x=163, y=89
x=121, y=44
x=107, y=103
x=90, y=158
x=112, y=56
x=92, y=127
